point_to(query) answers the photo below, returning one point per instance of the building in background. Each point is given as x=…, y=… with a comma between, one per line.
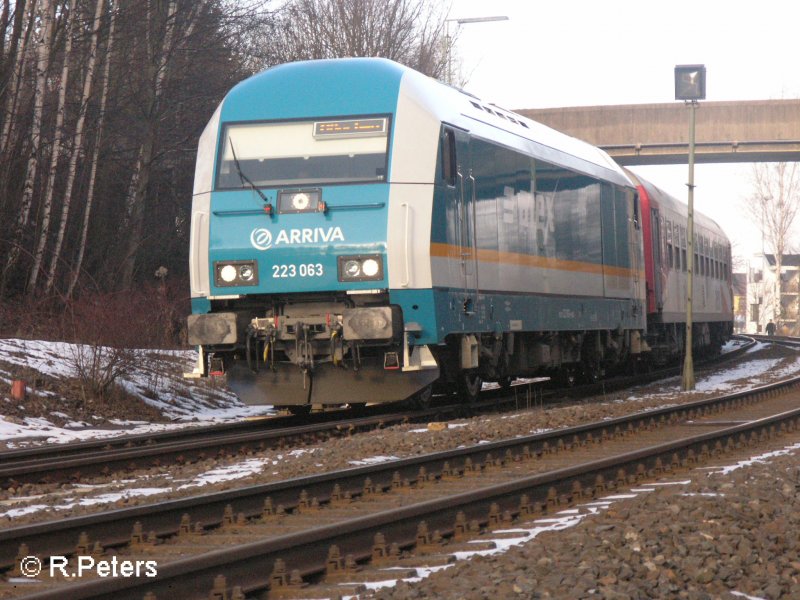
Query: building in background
x=739, y=302
x=767, y=300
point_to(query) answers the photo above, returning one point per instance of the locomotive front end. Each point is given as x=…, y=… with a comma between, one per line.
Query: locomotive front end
x=289, y=272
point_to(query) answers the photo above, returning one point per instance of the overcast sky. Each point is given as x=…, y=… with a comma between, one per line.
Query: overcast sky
x=584, y=52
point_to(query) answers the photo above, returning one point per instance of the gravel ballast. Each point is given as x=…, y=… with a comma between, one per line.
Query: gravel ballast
x=399, y=441
x=719, y=534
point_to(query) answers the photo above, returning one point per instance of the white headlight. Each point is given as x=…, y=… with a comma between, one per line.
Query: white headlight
x=370, y=267
x=246, y=272
x=227, y=273
x=352, y=268
x=300, y=201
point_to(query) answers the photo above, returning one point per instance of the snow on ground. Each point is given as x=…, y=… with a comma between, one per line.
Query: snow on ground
x=736, y=378
x=87, y=495
x=154, y=376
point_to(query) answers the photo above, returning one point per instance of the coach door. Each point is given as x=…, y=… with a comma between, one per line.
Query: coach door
x=466, y=225
x=655, y=296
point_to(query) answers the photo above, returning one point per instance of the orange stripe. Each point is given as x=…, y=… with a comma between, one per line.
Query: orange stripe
x=529, y=260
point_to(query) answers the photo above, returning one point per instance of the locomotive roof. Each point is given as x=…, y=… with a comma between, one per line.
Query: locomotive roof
x=361, y=86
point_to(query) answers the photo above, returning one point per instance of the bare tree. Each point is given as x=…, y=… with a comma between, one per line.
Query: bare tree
x=773, y=207
x=407, y=31
x=46, y=14
x=88, y=82
x=13, y=65
x=87, y=209
x=110, y=134
x=55, y=152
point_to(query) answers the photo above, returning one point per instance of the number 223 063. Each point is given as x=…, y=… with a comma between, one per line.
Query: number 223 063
x=301, y=270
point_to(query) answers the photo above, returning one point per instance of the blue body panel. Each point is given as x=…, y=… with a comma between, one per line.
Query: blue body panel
x=201, y=306
x=356, y=220
x=354, y=224
x=352, y=87
x=500, y=312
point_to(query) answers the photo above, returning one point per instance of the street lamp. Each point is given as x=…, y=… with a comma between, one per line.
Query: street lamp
x=690, y=86
x=449, y=41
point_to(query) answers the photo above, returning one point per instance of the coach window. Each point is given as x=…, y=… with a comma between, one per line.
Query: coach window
x=705, y=256
x=703, y=262
x=668, y=231
x=713, y=258
x=698, y=259
x=684, y=263
x=449, y=167
x=676, y=245
x=699, y=267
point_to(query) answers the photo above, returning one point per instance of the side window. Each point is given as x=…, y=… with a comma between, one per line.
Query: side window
x=449, y=157
x=668, y=231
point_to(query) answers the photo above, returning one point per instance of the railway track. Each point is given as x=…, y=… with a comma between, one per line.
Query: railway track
x=78, y=461
x=377, y=512
x=783, y=340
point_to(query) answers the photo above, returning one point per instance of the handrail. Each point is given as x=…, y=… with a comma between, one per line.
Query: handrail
x=406, y=242
x=197, y=232
x=475, y=235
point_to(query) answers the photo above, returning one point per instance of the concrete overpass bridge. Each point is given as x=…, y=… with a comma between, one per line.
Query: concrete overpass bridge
x=657, y=134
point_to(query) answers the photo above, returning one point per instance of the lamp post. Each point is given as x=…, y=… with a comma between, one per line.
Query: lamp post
x=449, y=40
x=690, y=86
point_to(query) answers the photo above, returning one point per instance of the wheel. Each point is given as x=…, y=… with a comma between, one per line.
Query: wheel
x=422, y=399
x=566, y=377
x=300, y=410
x=469, y=386
x=593, y=372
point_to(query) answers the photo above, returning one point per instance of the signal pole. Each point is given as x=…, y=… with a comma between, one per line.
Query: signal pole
x=690, y=86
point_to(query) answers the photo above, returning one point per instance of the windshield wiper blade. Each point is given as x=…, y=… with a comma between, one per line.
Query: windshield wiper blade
x=244, y=178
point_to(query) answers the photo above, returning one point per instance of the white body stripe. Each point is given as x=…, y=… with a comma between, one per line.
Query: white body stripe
x=513, y=278
x=201, y=207
x=414, y=149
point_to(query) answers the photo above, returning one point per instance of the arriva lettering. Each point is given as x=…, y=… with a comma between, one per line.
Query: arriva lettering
x=261, y=239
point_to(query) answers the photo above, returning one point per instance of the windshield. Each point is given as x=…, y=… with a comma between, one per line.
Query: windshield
x=303, y=152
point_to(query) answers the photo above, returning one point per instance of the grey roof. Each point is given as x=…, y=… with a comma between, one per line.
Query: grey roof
x=789, y=260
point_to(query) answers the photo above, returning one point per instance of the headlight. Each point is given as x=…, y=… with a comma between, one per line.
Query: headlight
x=231, y=273
x=370, y=267
x=298, y=201
x=228, y=273
x=246, y=272
x=367, y=267
x=352, y=268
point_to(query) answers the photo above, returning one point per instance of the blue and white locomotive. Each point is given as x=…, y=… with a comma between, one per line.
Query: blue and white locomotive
x=361, y=232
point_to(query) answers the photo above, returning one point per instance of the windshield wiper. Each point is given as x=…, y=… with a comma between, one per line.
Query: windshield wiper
x=244, y=178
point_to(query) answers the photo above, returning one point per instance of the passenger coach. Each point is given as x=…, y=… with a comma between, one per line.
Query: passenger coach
x=361, y=232
x=665, y=229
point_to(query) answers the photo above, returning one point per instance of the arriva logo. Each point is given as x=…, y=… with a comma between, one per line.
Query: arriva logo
x=261, y=239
